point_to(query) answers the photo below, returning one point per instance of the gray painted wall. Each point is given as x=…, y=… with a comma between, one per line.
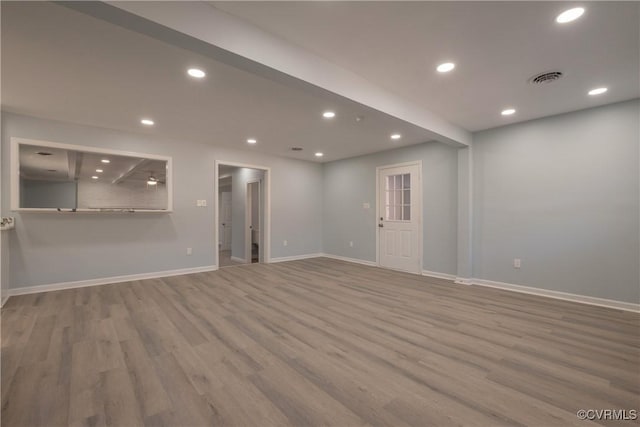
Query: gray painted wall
x=51, y=248
x=125, y=194
x=48, y=194
x=562, y=194
x=348, y=183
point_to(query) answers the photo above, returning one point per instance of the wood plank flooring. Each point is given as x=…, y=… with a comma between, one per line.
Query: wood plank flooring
x=312, y=343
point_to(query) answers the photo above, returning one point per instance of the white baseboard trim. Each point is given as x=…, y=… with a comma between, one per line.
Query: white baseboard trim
x=107, y=280
x=602, y=302
x=238, y=259
x=347, y=259
x=437, y=275
x=295, y=257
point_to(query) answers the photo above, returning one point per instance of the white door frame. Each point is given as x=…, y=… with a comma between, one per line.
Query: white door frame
x=266, y=213
x=248, y=249
x=420, y=209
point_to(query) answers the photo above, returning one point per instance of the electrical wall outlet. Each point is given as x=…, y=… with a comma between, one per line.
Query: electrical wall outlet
x=517, y=263
x=366, y=205
x=351, y=243
x=285, y=243
x=201, y=203
x=189, y=251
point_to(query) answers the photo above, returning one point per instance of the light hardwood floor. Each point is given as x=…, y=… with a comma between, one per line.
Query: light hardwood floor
x=224, y=259
x=313, y=342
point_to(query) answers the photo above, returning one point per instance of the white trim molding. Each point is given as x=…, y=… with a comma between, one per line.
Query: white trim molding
x=601, y=302
x=323, y=255
x=584, y=299
x=347, y=259
x=238, y=259
x=437, y=275
x=295, y=257
x=108, y=280
x=3, y=301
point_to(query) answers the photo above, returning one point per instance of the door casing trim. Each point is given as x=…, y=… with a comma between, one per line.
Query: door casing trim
x=417, y=163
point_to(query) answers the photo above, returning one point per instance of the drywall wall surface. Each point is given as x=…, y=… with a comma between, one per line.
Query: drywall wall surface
x=135, y=195
x=48, y=194
x=51, y=248
x=561, y=194
x=350, y=184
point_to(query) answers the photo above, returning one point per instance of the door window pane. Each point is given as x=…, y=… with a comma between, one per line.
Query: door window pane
x=406, y=216
x=398, y=197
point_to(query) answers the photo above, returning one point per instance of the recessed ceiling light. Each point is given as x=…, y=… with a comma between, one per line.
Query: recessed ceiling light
x=598, y=91
x=396, y=136
x=251, y=141
x=570, y=15
x=94, y=177
x=147, y=122
x=508, y=112
x=196, y=72
x=319, y=154
x=446, y=67
x=99, y=170
x=328, y=114
x=105, y=161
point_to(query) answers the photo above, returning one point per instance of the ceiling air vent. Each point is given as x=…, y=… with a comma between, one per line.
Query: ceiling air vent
x=549, y=77
x=296, y=148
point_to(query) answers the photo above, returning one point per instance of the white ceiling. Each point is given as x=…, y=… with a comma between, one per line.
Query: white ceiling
x=497, y=47
x=61, y=64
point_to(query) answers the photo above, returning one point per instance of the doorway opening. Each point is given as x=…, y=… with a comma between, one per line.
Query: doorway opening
x=252, y=221
x=242, y=215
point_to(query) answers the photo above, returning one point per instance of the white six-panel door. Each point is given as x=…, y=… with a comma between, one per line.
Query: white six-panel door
x=400, y=217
